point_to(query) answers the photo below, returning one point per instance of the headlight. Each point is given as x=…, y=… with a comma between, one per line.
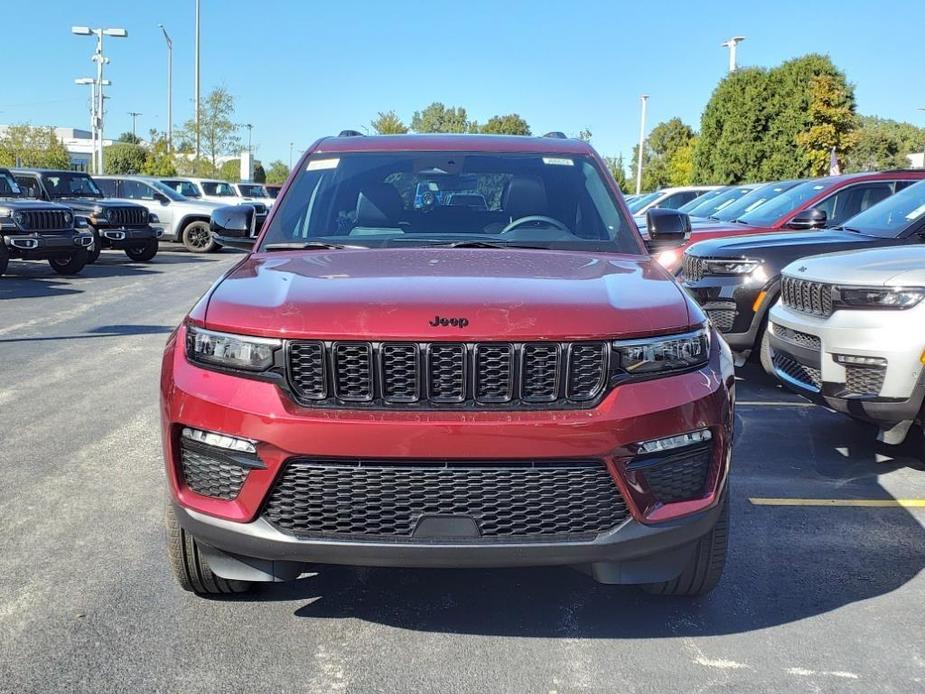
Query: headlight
x=663, y=353
x=68, y=218
x=878, y=297
x=5, y=212
x=80, y=222
x=742, y=266
x=670, y=259
x=101, y=213
x=231, y=351
x=153, y=218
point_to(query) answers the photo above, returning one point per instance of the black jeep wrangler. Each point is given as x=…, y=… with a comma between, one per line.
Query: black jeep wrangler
x=33, y=230
x=114, y=223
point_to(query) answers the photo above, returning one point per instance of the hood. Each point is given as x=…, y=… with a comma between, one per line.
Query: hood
x=397, y=294
x=799, y=243
x=894, y=266
x=89, y=203
x=201, y=205
x=28, y=204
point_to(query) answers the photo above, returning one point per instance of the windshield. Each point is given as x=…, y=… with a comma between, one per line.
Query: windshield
x=642, y=201
x=219, y=189
x=252, y=190
x=752, y=200
x=187, y=189
x=71, y=185
x=785, y=203
x=431, y=198
x=714, y=201
x=891, y=217
x=166, y=190
x=8, y=187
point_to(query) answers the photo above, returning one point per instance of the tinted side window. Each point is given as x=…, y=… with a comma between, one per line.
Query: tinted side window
x=673, y=202
x=136, y=190
x=851, y=200
x=29, y=186
x=109, y=187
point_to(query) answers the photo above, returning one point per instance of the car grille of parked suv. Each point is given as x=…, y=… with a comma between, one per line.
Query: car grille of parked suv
x=209, y=473
x=128, y=216
x=44, y=220
x=489, y=500
x=806, y=296
x=861, y=381
x=807, y=375
x=679, y=477
x=448, y=374
x=693, y=267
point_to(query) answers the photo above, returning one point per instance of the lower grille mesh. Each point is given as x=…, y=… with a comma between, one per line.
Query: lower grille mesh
x=797, y=371
x=677, y=480
x=723, y=318
x=864, y=380
x=211, y=476
x=507, y=501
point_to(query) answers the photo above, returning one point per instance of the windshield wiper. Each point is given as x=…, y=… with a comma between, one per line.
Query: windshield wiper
x=306, y=246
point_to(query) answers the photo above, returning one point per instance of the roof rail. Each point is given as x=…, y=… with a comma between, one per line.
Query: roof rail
x=558, y=134
x=350, y=133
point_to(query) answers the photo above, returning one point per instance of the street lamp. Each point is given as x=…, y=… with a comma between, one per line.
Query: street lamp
x=642, y=141
x=169, y=88
x=134, y=115
x=249, y=127
x=731, y=45
x=196, y=79
x=100, y=61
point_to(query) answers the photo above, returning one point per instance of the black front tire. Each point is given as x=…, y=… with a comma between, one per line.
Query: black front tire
x=72, y=264
x=4, y=257
x=190, y=566
x=142, y=254
x=93, y=253
x=197, y=237
x=705, y=568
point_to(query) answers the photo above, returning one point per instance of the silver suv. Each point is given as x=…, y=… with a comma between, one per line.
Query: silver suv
x=182, y=219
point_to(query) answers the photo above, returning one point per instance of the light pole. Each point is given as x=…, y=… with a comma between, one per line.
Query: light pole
x=196, y=80
x=83, y=81
x=290, y=155
x=922, y=108
x=100, y=60
x=134, y=115
x=169, y=89
x=642, y=142
x=731, y=45
x=249, y=127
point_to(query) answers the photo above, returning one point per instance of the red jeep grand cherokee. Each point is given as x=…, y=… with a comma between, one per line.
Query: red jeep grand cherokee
x=447, y=351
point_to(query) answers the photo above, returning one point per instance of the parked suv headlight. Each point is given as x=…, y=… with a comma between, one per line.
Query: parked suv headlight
x=878, y=297
x=231, y=351
x=741, y=266
x=664, y=353
x=100, y=213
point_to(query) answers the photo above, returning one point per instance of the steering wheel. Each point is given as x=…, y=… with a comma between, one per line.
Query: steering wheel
x=536, y=218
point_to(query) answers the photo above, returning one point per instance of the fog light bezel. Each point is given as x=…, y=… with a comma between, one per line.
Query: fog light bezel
x=698, y=437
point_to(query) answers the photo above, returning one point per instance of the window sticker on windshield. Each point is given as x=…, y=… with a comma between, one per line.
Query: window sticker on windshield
x=916, y=213
x=322, y=164
x=558, y=161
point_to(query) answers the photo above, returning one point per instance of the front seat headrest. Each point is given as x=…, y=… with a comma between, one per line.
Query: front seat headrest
x=525, y=196
x=379, y=205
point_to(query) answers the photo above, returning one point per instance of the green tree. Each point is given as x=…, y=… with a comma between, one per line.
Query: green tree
x=129, y=137
x=217, y=129
x=278, y=172
x=437, y=118
x=388, y=123
x=510, y=124
x=230, y=170
x=731, y=144
x=662, y=146
x=26, y=145
x=260, y=174
x=832, y=123
x=882, y=144
x=617, y=169
x=680, y=168
x=158, y=159
x=584, y=135
x=124, y=158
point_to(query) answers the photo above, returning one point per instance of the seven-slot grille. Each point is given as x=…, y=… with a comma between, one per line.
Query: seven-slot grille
x=806, y=296
x=798, y=338
x=447, y=374
x=516, y=500
x=128, y=216
x=694, y=267
x=45, y=220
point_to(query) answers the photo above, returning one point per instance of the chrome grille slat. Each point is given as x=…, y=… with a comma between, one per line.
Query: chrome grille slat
x=806, y=296
x=446, y=374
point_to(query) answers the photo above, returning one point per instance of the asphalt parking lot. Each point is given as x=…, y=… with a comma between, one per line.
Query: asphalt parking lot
x=816, y=596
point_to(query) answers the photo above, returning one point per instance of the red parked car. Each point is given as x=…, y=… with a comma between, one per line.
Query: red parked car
x=816, y=203
x=389, y=384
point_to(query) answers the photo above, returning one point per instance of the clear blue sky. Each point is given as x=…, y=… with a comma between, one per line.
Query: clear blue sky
x=300, y=69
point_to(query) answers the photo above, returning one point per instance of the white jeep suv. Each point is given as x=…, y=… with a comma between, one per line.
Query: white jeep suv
x=849, y=333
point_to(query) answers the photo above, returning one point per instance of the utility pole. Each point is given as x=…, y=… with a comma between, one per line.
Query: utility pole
x=196, y=79
x=290, y=155
x=731, y=45
x=134, y=115
x=249, y=127
x=922, y=108
x=642, y=142
x=100, y=61
x=169, y=88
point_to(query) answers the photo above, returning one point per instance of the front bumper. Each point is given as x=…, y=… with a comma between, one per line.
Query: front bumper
x=894, y=392
x=729, y=302
x=630, y=413
x=128, y=237
x=37, y=246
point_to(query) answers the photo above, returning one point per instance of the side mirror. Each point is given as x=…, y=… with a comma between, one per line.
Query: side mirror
x=667, y=228
x=233, y=226
x=813, y=218
x=161, y=198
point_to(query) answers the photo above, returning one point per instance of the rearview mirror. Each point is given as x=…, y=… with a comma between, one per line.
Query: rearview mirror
x=667, y=228
x=233, y=226
x=813, y=218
